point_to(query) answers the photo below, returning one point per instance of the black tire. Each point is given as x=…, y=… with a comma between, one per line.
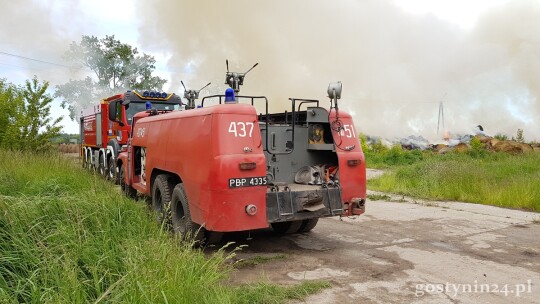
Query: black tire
x=161, y=199
x=181, y=217
x=88, y=161
x=101, y=167
x=84, y=160
x=287, y=227
x=212, y=237
x=126, y=189
x=112, y=175
x=308, y=225
x=91, y=167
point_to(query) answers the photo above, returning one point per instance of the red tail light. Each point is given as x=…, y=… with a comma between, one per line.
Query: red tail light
x=353, y=162
x=248, y=166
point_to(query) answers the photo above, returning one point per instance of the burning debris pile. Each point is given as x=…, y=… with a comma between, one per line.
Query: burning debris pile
x=458, y=142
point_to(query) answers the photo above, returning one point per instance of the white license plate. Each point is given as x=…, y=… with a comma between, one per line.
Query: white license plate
x=247, y=182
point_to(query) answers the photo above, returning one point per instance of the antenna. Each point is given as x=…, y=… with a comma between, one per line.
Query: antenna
x=256, y=64
x=204, y=86
x=234, y=79
x=191, y=95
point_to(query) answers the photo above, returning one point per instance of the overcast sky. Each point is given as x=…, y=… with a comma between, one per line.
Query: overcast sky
x=397, y=59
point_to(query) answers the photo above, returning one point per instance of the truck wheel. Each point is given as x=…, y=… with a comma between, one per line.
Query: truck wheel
x=111, y=172
x=161, y=198
x=87, y=163
x=307, y=225
x=287, y=227
x=212, y=237
x=181, y=217
x=101, y=166
x=84, y=160
x=126, y=189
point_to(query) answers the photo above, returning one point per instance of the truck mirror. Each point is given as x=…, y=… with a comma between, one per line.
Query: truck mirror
x=112, y=110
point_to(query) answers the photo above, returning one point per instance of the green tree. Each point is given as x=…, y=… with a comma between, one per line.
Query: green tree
x=25, y=117
x=519, y=136
x=115, y=66
x=11, y=111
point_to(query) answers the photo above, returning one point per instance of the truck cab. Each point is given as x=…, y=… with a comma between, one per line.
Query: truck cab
x=106, y=127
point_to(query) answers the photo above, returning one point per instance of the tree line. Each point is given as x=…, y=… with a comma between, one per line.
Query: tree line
x=113, y=67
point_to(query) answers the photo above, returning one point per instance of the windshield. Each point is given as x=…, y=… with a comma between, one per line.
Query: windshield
x=135, y=107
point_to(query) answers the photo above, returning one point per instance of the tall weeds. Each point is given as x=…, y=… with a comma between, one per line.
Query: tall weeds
x=67, y=236
x=489, y=178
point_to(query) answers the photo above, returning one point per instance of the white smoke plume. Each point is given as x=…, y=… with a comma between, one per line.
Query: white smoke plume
x=395, y=67
x=40, y=30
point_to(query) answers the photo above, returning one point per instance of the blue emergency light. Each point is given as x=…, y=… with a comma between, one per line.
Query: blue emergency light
x=229, y=96
x=148, y=105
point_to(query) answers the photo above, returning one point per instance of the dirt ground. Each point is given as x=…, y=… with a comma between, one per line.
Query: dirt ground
x=405, y=250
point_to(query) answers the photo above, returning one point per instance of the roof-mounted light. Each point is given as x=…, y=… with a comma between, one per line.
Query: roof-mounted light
x=229, y=96
x=334, y=90
x=154, y=95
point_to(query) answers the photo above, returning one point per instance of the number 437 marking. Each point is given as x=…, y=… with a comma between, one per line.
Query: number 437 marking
x=241, y=129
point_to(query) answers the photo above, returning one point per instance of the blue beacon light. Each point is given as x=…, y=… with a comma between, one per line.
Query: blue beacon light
x=229, y=96
x=148, y=105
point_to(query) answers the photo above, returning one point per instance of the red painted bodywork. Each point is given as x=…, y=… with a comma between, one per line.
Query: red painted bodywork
x=352, y=178
x=198, y=148
x=109, y=129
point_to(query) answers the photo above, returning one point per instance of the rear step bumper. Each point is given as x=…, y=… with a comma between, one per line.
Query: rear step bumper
x=299, y=202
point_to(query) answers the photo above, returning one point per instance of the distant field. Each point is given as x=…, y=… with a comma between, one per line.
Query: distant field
x=498, y=179
x=67, y=236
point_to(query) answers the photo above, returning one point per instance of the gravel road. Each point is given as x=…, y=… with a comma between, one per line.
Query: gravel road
x=407, y=250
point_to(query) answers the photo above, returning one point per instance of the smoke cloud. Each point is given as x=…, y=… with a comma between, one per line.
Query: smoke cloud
x=395, y=67
x=36, y=34
x=41, y=30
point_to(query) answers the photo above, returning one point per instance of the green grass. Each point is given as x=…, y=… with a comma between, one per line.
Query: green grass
x=271, y=293
x=487, y=178
x=67, y=236
x=394, y=156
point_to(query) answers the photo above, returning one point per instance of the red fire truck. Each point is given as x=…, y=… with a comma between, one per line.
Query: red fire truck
x=102, y=139
x=223, y=167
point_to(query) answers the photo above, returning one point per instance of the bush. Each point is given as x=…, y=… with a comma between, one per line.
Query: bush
x=478, y=149
x=379, y=156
